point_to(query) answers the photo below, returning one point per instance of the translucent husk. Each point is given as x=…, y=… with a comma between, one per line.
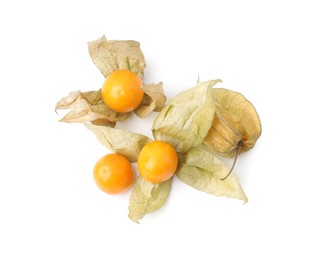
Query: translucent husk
x=236, y=124
x=186, y=119
x=200, y=169
x=147, y=197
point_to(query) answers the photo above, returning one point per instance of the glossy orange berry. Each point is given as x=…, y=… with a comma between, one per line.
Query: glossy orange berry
x=122, y=91
x=113, y=173
x=157, y=161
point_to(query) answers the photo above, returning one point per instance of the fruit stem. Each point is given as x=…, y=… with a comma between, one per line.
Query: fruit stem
x=238, y=147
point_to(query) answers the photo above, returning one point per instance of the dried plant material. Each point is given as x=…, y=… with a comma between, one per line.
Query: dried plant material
x=147, y=197
x=236, y=125
x=104, y=122
x=117, y=55
x=153, y=100
x=88, y=107
x=203, y=171
x=120, y=141
x=197, y=122
x=186, y=120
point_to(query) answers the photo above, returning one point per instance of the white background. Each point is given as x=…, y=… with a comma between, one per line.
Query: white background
x=50, y=207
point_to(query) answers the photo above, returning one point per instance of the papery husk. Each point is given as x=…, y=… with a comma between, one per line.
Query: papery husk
x=111, y=55
x=147, y=197
x=200, y=169
x=88, y=107
x=153, y=100
x=185, y=121
x=120, y=141
x=236, y=125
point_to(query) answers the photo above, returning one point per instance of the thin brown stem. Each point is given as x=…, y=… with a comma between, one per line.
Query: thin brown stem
x=238, y=147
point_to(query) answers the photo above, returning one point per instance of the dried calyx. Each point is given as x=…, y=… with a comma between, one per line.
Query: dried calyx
x=109, y=56
x=197, y=122
x=236, y=124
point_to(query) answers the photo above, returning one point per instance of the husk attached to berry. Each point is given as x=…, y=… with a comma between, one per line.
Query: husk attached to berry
x=185, y=121
x=114, y=55
x=153, y=100
x=147, y=197
x=236, y=124
x=88, y=107
x=196, y=122
x=200, y=169
x=109, y=56
x=120, y=141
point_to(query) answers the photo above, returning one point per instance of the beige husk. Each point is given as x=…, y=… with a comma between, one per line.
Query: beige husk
x=113, y=55
x=147, y=197
x=120, y=141
x=153, y=100
x=203, y=171
x=196, y=122
x=186, y=119
x=117, y=55
x=89, y=107
x=236, y=123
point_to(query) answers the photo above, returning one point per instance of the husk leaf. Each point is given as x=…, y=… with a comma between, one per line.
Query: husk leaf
x=120, y=141
x=88, y=107
x=147, y=197
x=117, y=55
x=153, y=100
x=186, y=119
x=200, y=169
